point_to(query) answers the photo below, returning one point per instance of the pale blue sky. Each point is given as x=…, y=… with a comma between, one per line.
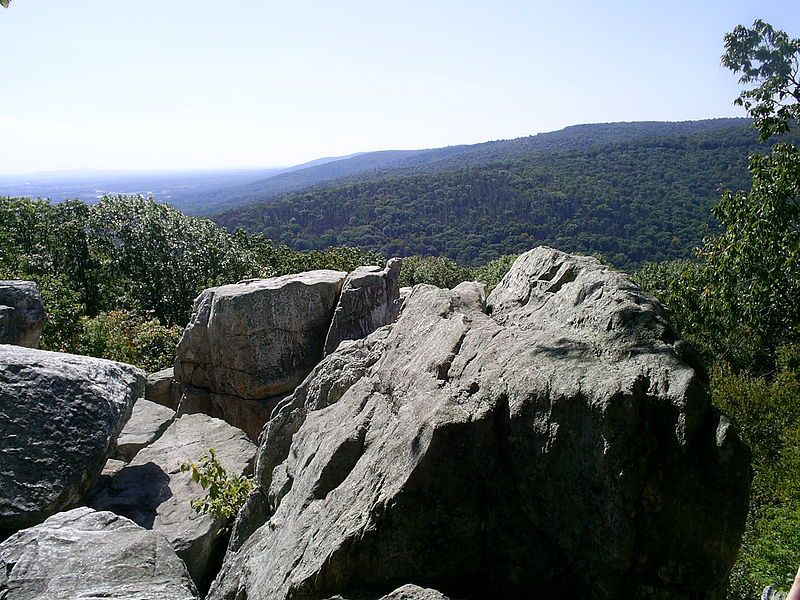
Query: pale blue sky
x=165, y=84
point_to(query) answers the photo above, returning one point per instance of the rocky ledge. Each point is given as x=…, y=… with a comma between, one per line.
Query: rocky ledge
x=554, y=440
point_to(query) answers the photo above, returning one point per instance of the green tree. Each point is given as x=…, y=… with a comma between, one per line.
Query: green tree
x=155, y=258
x=754, y=263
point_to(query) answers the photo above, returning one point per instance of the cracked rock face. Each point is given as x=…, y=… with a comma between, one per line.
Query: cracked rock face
x=551, y=442
x=259, y=338
x=22, y=315
x=368, y=301
x=60, y=415
x=163, y=389
x=247, y=415
x=86, y=554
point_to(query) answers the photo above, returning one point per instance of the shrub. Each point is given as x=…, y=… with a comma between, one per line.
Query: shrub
x=226, y=493
x=130, y=338
x=439, y=271
x=492, y=272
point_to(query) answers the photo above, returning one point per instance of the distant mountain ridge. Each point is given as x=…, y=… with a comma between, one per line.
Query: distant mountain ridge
x=368, y=165
x=632, y=192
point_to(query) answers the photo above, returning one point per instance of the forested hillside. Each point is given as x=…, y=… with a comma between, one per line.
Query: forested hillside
x=645, y=199
x=371, y=165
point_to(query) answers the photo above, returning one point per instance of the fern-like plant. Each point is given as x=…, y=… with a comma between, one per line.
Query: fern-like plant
x=225, y=493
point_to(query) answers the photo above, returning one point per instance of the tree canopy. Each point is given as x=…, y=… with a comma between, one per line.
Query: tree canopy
x=769, y=59
x=754, y=263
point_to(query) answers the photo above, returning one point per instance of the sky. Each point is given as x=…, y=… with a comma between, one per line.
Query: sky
x=202, y=84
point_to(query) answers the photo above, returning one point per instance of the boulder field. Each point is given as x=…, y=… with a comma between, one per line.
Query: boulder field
x=554, y=440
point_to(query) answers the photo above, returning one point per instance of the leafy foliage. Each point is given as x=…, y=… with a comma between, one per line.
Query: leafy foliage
x=226, y=493
x=739, y=305
x=155, y=258
x=118, y=278
x=770, y=58
x=130, y=338
x=492, y=272
x=439, y=271
x=767, y=415
x=754, y=262
x=445, y=273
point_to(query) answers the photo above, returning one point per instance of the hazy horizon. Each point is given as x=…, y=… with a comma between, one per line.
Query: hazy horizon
x=146, y=86
x=89, y=171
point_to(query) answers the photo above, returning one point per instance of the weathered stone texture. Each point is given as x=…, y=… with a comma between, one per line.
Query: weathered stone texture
x=22, y=315
x=60, y=415
x=259, y=338
x=368, y=301
x=83, y=554
x=163, y=389
x=154, y=493
x=148, y=421
x=248, y=415
x=551, y=442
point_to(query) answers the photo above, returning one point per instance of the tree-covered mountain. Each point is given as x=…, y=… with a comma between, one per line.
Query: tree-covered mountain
x=370, y=165
x=632, y=192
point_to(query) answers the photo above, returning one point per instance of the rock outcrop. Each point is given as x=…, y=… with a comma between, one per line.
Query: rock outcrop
x=368, y=301
x=154, y=493
x=552, y=442
x=60, y=416
x=148, y=421
x=258, y=338
x=88, y=554
x=22, y=315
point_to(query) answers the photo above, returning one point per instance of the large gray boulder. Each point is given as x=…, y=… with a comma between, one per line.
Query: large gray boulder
x=368, y=301
x=559, y=447
x=91, y=555
x=22, y=315
x=60, y=416
x=154, y=493
x=148, y=421
x=258, y=338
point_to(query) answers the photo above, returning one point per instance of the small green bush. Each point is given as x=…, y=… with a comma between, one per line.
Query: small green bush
x=492, y=272
x=130, y=338
x=226, y=493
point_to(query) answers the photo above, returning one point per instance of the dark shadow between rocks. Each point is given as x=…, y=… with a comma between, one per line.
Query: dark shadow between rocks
x=135, y=492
